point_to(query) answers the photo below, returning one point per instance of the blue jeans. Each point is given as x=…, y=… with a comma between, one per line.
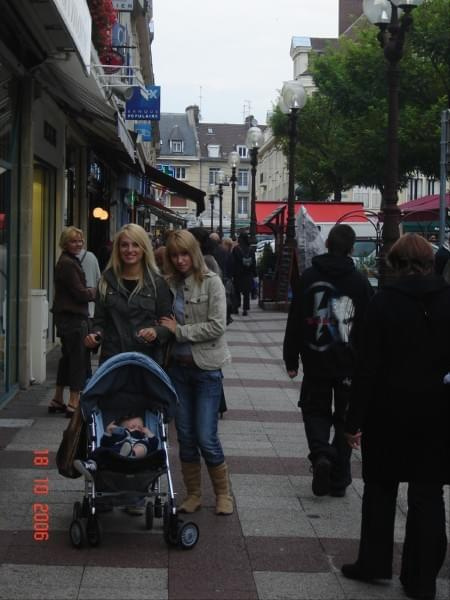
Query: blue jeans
x=196, y=418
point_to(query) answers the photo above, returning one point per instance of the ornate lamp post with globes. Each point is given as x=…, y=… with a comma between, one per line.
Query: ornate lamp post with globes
x=292, y=99
x=212, y=194
x=392, y=29
x=253, y=142
x=220, y=180
x=233, y=163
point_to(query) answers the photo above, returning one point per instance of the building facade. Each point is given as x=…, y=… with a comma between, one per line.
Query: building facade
x=272, y=162
x=195, y=152
x=68, y=73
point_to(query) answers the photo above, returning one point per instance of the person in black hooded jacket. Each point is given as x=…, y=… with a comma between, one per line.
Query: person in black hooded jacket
x=324, y=329
x=400, y=412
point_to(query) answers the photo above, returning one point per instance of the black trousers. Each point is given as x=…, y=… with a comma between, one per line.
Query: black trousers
x=74, y=363
x=245, y=298
x=425, y=542
x=324, y=404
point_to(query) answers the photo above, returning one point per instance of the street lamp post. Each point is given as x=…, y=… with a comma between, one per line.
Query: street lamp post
x=392, y=30
x=233, y=163
x=253, y=142
x=212, y=194
x=220, y=180
x=292, y=99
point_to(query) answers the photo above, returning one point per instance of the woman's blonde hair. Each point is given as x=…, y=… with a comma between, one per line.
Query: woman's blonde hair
x=67, y=234
x=137, y=234
x=411, y=254
x=179, y=242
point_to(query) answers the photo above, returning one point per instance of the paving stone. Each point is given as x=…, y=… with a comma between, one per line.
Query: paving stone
x=280, y=542
x=297, y=586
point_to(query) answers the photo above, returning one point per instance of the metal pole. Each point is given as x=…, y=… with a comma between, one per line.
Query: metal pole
x=392, y=41
x=290, y=226
x=253, y=162
x=211, y=199
x=220, y=210
x=389, y=209
x=233, y=211
x=445, y=116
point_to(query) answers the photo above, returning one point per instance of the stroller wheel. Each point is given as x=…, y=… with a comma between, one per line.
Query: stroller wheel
x=158, y=508
x=77, y=511
x=188, y=534
x=93, y=531
x=77, y=533
x=149, y=516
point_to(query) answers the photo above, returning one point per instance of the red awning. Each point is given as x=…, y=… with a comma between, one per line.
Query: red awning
x=320, y=212
x=423, y=204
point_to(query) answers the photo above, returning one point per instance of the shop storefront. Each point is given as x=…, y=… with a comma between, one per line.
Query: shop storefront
x=9, y=135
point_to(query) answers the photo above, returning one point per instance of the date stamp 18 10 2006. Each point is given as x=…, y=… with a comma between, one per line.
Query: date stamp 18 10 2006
x=41, y=531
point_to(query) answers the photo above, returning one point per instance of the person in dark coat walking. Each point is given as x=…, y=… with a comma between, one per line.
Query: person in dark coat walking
x=400, y=412
x=244, y=272
x=324, y=328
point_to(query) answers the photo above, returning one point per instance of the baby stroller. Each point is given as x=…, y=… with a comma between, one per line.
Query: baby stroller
x=127, y=383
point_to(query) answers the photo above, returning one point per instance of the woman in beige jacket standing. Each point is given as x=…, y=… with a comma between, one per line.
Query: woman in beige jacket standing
x=197, y=357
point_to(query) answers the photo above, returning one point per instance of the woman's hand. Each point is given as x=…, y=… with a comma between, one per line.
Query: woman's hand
x=353, y=439
x=292, y=373
x=92, y=340
x=148, y=334
x=169, y=322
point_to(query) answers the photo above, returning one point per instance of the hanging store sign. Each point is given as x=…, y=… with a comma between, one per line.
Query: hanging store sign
x=144, y=130
x=123, y=5
x=167, y=169
x=144, y=105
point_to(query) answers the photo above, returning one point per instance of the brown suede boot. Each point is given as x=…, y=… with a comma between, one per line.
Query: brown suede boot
x=192, y=481
x=222, y=489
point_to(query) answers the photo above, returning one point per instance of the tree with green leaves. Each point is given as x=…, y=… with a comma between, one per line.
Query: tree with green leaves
x=342, y=128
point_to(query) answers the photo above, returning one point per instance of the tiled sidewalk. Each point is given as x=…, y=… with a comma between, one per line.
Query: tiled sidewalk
x=281, y=543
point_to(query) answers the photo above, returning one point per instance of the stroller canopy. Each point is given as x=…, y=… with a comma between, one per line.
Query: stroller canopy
x=129, y=383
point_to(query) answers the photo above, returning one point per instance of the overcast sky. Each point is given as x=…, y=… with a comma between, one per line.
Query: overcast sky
x=231, y=55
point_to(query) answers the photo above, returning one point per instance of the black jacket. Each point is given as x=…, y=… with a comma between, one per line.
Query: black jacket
x=243, y=267
x=398, y=398
x=119, y=316
x=325, y=318
x=71, y=294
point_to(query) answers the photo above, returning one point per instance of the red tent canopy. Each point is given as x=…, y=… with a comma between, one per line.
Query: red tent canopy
x=424, y=204
x=320, y=212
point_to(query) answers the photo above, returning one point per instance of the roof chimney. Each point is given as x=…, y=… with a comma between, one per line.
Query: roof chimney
x=193, y=114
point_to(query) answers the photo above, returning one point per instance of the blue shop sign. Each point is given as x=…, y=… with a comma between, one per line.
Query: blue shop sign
x=144, y=106
x=145, y=131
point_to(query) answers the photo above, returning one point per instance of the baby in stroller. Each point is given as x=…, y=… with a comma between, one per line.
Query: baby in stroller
x=128, y=436
x=123, y=459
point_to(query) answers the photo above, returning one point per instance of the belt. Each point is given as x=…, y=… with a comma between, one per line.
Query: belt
x=184, y=360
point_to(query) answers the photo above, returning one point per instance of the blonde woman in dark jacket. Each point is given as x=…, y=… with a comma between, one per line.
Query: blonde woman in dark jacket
x=197, y=357
x=132, y=297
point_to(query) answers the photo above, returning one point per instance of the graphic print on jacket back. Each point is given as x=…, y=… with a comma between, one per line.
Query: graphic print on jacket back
x=330, y=317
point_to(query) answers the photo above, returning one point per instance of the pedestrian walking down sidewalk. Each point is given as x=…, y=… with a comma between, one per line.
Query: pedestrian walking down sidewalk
x=281, y=542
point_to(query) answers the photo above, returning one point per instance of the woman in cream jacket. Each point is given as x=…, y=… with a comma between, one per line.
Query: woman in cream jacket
x=197, y=357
